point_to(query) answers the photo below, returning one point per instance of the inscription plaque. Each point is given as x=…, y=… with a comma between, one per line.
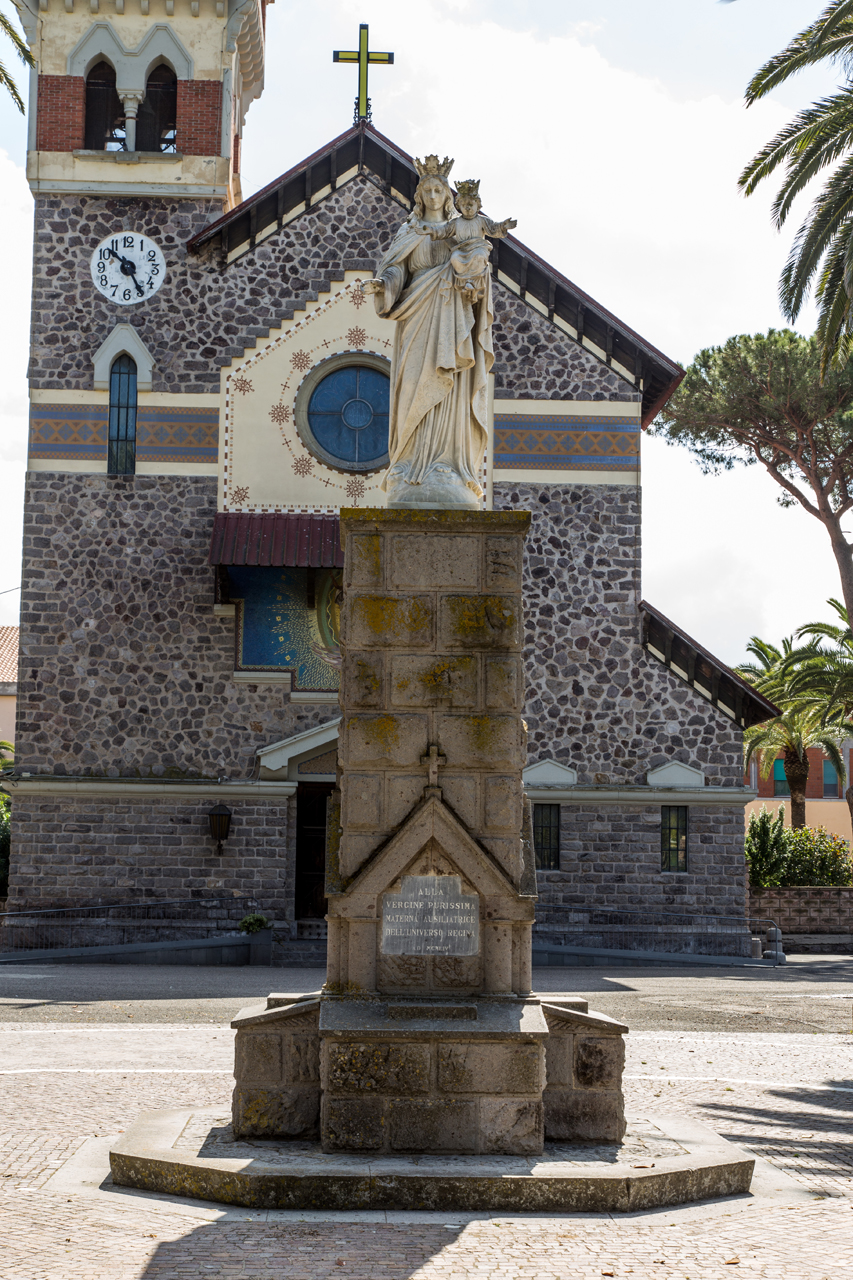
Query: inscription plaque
x=431, y=917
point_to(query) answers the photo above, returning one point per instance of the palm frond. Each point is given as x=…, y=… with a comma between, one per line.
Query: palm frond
x=8, y=29
x=827, y=38
x=7, y=83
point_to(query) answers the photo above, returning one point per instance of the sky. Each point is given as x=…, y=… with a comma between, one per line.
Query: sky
x=614, y=132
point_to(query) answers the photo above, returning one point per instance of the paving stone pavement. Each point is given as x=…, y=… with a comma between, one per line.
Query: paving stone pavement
x=786, y=1097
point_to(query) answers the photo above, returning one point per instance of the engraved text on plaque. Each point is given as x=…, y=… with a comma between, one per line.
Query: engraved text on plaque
x=431, y=917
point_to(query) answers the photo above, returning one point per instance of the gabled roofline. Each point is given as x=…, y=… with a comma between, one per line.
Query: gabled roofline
x=364, y=150
x=707, y=675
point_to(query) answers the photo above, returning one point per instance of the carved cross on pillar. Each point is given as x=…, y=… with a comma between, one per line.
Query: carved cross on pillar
x=434, y=759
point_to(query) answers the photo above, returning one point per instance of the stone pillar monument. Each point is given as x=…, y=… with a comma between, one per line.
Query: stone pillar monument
x=426, y=1037
x=429, y=1041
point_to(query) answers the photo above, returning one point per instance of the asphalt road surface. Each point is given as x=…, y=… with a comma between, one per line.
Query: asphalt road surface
x=810, y=994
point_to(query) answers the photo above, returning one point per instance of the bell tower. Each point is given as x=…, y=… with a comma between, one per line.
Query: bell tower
x=141, y=97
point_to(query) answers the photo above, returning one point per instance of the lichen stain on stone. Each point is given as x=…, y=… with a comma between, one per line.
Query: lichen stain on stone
x=438, y=675
x=385, y=616
x=384, y=731
x=366, y=676
x=473, y=614
x=484, y=732
x=367, y=549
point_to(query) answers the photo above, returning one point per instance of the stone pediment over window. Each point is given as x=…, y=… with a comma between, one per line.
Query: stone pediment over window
x=675, y=774
x=549, y=773
x=123, y=340
x=132, y=66
x=290, y=758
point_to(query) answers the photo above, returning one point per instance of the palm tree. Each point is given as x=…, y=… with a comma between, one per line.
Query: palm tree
x=804, y=722
x=6, y=80
x=819, y=137
x=790, y=736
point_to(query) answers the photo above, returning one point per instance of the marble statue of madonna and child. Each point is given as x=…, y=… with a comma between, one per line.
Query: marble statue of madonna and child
x=434, y=281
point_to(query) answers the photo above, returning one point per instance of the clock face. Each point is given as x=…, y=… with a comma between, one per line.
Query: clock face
x=128, y=268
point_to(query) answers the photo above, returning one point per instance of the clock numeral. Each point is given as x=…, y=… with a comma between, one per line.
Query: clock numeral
x=114, y=246
x=150, y=283
x=102, y=266
x=152, y=256
x=103, y=281
x=155, y=271
x=126, y=295
x=115, y=289
x=128, y=242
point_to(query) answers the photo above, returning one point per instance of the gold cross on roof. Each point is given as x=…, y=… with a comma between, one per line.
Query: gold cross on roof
x=363, y=56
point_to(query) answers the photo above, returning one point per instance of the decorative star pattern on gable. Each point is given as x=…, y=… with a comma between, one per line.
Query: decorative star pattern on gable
x=266, y=466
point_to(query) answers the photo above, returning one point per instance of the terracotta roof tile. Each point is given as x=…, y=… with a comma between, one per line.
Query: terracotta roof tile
x=8, y=654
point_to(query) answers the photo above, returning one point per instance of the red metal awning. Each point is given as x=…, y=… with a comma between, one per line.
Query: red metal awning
x=313, y=541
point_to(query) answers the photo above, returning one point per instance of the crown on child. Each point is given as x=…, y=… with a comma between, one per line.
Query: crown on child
x=433, y=167
x=470, y=187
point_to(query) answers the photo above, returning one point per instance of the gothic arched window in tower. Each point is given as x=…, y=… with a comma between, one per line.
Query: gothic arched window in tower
x=105, y=123
x=156, y=123
x=121, y=458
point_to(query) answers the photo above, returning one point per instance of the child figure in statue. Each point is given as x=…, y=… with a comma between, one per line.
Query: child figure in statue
x=470, y=258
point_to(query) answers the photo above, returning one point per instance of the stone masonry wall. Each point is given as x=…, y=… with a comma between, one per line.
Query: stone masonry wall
x=610, y=857
x=69, y=851
x=204, y=313
x=805, y=909
x=124, y=669
x=596, y=700
x=599, y=703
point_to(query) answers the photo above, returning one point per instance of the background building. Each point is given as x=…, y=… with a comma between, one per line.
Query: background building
x=192, y=362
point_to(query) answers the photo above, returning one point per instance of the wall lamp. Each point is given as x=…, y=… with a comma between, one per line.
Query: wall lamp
x=220, y=824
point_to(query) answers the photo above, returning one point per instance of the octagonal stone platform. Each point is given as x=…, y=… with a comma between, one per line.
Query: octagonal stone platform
x=662, y=1161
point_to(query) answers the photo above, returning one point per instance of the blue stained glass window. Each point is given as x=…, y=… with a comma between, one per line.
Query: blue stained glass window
x=348, y=417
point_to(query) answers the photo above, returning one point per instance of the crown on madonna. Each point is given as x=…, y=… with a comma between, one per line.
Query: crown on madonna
x=470, y=187
x=432, y=167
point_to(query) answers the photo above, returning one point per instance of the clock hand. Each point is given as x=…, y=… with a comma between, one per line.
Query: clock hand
x=128, y=268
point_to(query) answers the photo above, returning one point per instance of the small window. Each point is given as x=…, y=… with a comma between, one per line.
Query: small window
x=342, y=412
x=121, y=459
x=780, y=782
x=104, y=130
x=830, y=781
x=156, y=121
x=546, y=836
x=673, y=838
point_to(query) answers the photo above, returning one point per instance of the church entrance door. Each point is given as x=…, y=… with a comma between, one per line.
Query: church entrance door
x=310, y=898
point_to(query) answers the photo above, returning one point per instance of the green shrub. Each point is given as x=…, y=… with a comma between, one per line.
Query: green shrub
x=765, y=847
x=780, y=857
x=5, y=842
x=814, y=857
x=253, y=923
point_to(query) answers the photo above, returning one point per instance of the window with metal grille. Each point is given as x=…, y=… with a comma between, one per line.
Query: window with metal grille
x=104, y=128
x=673, y=837
x=830, y=781
x=121, y=458
x=156, y=120
x=780, y=782
x=546, y=836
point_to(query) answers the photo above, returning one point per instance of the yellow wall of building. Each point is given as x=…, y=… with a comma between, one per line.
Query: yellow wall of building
x=832, y=814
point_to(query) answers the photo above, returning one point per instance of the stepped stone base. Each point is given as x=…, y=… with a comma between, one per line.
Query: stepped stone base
x=663, y=1161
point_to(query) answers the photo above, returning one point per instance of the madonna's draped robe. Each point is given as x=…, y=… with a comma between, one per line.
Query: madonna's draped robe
x=439, y=370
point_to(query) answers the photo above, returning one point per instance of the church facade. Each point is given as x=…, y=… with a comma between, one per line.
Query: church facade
x=209, y=387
